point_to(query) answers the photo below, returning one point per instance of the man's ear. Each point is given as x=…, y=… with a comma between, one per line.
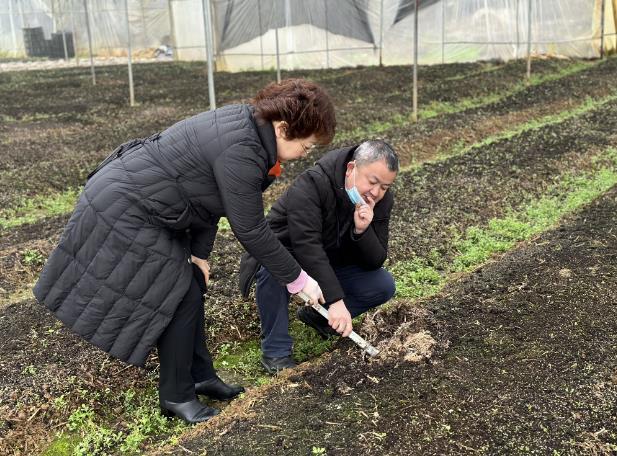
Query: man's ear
x=350, y=167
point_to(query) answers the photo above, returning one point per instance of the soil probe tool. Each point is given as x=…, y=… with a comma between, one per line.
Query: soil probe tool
x=360, y=342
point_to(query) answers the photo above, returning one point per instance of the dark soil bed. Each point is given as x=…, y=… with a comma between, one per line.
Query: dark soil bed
x=37, y=356
x=525, y=364
x=60, y=126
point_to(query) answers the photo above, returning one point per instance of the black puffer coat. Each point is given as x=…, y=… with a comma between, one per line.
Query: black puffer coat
x=314, y=220
x=122, y=264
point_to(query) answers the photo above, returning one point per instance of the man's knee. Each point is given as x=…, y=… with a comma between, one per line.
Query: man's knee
x=386, y=285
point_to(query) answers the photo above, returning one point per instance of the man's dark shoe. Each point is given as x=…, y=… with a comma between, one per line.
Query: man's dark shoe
x=215, y=388
x=312, y=318
x=192, y=411
x=275, y=365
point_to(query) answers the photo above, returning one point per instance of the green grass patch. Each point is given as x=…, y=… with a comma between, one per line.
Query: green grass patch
x=588, y=105
x=419, y=277
x=244, y=358
x=438, y=108
x=39, y=207
x=88, y=433
x=241, y=358
x=415, y=278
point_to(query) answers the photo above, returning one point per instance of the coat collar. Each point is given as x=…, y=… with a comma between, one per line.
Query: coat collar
x=265, y=131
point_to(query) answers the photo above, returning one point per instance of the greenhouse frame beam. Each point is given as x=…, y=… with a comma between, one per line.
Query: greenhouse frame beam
x=529, y=40
x=602, y=18
x=89, y=32
x=129, y=54
x=414, y=113
x=207, y=11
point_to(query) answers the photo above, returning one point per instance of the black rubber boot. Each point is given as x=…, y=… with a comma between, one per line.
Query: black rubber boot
x=275, y=365
x=215, y=388
x=192, y=411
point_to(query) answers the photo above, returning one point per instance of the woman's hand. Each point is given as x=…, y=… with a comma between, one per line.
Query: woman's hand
x=313, y=291
x=203, y=266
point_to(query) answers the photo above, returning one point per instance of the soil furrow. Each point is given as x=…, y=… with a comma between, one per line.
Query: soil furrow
x=525, y=364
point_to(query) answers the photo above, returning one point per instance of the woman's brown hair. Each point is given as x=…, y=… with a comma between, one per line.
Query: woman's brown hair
x=305, y=106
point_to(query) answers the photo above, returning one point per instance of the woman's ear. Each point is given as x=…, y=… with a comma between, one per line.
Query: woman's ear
x=280, y=128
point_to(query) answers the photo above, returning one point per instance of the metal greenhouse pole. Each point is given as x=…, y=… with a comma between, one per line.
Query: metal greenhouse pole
x=518, y=38
x=528, y=40
x=325, y=3
x=172, y=30
x=73, y=32
x=381, y=33
x=66, y=51
x=261, y=35
x=89, y=42
x=130, y=54
x=414, y=114
x=602, y=13
x=278, y=56
x=443, y=31
x=209, y=51
x=13, y=33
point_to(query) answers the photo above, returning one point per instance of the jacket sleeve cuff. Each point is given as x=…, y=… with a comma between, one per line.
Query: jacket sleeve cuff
x=298, y=284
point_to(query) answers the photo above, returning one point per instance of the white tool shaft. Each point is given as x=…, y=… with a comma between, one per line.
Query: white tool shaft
x=363, y=344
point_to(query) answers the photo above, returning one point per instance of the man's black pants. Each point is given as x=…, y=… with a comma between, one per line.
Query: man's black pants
x=183, y=354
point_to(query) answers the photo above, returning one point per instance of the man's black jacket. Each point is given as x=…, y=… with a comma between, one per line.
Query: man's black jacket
x=314, y=220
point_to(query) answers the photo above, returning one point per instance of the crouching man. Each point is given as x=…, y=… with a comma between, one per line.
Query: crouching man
x=334, y=219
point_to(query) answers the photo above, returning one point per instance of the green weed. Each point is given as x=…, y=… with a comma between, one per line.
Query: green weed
x=87, y=433
x=33, y=209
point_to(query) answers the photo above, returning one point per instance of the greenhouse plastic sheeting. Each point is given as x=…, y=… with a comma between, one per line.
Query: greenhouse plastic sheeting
x=319, y=33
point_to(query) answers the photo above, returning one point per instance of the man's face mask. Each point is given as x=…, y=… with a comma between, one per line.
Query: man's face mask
x=353, y=193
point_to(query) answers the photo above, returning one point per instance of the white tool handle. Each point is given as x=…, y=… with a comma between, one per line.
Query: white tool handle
x=363, y=344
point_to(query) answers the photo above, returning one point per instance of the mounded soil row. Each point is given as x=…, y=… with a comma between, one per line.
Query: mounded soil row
x=597, y=80
x=459, y=192
x=65, y=126
x=524, y=363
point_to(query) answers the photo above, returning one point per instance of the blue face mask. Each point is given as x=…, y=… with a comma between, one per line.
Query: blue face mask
x=353, y=193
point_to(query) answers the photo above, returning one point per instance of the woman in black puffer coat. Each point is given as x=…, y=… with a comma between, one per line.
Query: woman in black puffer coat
x=131, y=267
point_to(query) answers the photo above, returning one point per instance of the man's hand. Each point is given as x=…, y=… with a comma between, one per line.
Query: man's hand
x=203, y=265
x=339, y=318
x=363, y=215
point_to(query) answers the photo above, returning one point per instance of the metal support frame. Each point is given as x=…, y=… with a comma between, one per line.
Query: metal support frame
x=414, y=113
x=66, y=51
x=73, y=34
x=325, y=2
x=172, y=30
x=130, y=54
x=602, y=18
x=89, y=32
x=207, y=11
x=261, y=35
x=518, y=33
x=13, y=31
x=528, y=40
x=381, y=33
x=443, y=31
x=278, y=55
